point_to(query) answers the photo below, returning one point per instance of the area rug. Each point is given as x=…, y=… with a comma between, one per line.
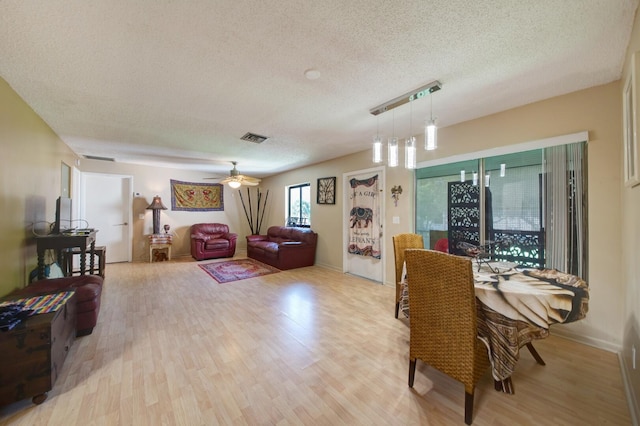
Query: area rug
x=238, y=269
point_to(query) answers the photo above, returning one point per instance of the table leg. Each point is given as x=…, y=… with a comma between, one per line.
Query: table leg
x=535, y=354
x=40, y=264
x=83, y=259
x=91, y=254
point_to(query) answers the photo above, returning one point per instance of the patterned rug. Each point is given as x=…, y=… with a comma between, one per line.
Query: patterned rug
x=239, y=269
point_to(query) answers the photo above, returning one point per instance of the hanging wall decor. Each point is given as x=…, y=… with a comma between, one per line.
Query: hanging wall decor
x=194, y=197
x=326, y=190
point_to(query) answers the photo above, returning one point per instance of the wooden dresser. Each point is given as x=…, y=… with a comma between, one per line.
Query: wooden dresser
x=32, y=354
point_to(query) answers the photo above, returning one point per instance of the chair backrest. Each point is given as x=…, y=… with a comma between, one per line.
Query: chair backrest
x=442, y=245
x=401, y=242
x=209, y=228
x=442, y=306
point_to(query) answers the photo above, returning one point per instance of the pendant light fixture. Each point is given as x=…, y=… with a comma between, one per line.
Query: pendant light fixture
x=410, y=143
x=430, y=130
x=392, y=159
x=377, y=145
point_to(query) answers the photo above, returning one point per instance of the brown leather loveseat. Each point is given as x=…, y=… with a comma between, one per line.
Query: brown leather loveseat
x=284, y=247
x=212, y=240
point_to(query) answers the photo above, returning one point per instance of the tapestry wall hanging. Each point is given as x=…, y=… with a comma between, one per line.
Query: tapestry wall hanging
x=196, y=197
x=364, y=218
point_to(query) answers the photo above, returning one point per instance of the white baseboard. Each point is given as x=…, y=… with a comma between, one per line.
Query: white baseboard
x=632, y=400
x=596, y=343
x=332, y=268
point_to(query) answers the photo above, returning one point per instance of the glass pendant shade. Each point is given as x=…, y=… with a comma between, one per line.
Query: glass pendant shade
x=430, y=135
x=410, y=153
x=475, y=178
x=503, y=169
x=377, y=150
x=234, y=184
x=393, y=152
x=487, y=177
x=462, y=175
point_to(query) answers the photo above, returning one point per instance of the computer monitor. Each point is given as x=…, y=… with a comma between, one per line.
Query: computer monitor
x=63, y=215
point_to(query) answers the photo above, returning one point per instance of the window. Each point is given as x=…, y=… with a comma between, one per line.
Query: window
x=299, y=205
x=526, y=207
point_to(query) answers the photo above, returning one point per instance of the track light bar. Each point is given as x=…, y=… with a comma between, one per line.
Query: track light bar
x=419, y=93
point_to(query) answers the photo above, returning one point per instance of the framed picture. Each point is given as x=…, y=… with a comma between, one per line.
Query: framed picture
x=326, y=190
x=630, y=124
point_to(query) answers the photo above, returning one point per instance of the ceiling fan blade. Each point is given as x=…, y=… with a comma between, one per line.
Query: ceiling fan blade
x=235, y=176
x=249, y=179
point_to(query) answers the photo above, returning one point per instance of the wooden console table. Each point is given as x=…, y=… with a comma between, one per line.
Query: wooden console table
x=60, y=242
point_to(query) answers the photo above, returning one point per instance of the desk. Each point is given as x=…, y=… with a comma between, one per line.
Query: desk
x=516, y=306
x=60, y=242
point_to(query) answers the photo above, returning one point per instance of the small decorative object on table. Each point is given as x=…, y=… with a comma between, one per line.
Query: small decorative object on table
x=166, y=229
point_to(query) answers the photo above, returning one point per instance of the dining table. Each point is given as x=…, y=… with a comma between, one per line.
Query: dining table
x=516, y=306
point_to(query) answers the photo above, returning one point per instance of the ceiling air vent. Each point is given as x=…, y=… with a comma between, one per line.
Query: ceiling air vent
x=252, y=137
x=95, y=157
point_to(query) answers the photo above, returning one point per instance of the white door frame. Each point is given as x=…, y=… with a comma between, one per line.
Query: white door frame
x=127, y=204
x=346, y=209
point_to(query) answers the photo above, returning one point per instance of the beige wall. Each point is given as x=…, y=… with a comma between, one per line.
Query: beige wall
x=630, y=247
x=596, y=110
x=151, y=181
x=30, y=183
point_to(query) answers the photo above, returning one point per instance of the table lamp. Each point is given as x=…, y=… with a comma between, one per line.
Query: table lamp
x=156, y=205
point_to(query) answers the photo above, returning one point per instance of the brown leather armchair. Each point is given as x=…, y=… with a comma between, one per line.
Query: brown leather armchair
x=212, y=240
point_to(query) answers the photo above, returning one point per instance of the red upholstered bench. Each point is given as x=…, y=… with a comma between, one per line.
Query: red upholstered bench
x=88, y=291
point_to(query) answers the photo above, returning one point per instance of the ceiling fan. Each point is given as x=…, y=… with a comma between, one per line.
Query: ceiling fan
x=235, y=179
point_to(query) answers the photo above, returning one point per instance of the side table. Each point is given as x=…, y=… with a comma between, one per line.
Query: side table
x=162, y=244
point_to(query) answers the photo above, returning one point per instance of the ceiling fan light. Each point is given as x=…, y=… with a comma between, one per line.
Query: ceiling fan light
x=234, y=184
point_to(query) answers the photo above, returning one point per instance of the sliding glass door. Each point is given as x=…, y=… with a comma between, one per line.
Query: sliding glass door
x=524, y=195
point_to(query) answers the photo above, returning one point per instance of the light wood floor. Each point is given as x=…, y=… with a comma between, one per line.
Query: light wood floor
x=307, y=346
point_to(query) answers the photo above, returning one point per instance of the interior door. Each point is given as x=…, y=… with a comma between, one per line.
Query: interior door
x=107, y=207
x=363, y=264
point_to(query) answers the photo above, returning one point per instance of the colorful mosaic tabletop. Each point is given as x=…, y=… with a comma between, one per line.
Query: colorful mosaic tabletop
x=41, y=304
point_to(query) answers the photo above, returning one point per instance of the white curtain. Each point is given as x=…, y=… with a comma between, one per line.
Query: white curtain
x=565, y=208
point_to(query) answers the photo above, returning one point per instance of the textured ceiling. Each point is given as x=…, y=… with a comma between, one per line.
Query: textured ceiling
x=178, y=83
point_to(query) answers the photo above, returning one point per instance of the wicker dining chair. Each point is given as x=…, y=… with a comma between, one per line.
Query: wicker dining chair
x=443, y=324
x=401, y=242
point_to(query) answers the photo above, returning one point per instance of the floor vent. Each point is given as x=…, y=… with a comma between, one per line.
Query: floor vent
x=252, y=137
x=95, y=157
